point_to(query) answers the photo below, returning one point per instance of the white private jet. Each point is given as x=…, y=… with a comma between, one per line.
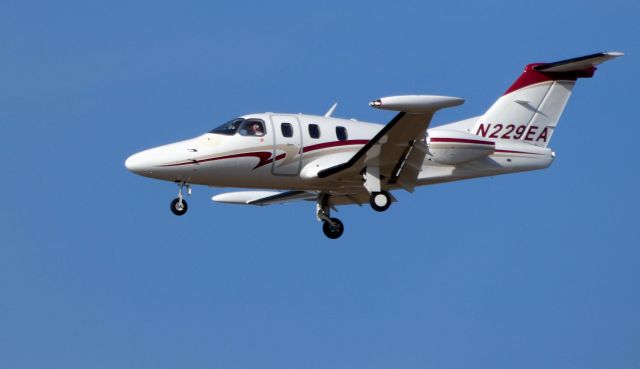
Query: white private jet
x=337, y=161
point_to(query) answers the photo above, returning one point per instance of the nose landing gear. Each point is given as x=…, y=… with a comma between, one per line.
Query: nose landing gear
x=179, y=204
x=332, y=227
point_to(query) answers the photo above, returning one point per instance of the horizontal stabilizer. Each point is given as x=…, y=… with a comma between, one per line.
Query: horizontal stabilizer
x=577, y=64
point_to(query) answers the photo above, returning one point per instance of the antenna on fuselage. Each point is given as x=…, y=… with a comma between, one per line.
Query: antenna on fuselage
x=329, y=113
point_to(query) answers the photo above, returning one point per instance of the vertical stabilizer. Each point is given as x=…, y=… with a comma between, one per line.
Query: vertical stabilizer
x=530, y=109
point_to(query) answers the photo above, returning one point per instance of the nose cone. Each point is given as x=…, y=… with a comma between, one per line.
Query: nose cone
x=138, y=163
x=159, y=162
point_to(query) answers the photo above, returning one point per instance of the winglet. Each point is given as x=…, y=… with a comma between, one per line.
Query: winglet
x=329, y=112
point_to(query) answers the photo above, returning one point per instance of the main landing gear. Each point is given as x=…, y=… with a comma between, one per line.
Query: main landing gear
x=332, y=227
x=380, y=201
x=179, y=204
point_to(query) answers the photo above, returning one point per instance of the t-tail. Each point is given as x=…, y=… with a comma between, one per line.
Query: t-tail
x=530, y=109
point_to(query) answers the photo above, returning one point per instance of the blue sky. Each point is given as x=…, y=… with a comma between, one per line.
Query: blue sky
x=533, y=270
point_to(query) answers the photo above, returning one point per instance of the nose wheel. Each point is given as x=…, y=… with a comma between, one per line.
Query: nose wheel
x=332, y=228
x=179, y=204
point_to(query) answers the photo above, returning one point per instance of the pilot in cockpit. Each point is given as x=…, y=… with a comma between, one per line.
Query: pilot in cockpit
x=257, y=129
x=254, y=129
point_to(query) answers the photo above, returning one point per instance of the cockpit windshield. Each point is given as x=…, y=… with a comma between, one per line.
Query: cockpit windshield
x=230, y=128
x=246, y=127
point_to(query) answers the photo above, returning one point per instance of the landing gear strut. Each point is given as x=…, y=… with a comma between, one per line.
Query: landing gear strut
x=332, y=227
x=179, y=204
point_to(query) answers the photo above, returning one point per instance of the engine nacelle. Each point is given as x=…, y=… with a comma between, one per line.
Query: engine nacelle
x=416, y=104
x=455, y=147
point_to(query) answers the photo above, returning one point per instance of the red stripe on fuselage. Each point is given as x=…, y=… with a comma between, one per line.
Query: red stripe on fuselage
x=266, y=157
x=326, y=145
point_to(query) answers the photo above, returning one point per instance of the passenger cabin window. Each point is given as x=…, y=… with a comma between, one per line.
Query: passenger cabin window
x=341, y=132
x=287, y=129
x=314, y=131
x=252, y=127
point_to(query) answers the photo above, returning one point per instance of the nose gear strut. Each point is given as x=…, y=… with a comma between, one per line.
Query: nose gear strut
x=179, y=204
x=332, y=227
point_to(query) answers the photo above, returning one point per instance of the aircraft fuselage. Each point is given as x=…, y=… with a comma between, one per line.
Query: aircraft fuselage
x=289, y=158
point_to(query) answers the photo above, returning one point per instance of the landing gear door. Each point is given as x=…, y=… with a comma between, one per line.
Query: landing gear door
x=287, y=145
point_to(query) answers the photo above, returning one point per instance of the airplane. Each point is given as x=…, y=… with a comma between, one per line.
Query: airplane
x=335, y=162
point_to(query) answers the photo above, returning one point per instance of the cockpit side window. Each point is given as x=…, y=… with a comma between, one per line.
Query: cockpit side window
x=252, y=127
x=230, y=128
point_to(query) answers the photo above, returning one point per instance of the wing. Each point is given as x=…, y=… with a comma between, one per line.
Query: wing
x=261, y=198
x=396, y=153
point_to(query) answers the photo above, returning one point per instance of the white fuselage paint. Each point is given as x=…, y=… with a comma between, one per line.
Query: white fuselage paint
x=277, y=162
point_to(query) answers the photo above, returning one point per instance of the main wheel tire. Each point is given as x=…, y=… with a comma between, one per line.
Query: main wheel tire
x=335, y=231
x=380, y=201
x=179, y=208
